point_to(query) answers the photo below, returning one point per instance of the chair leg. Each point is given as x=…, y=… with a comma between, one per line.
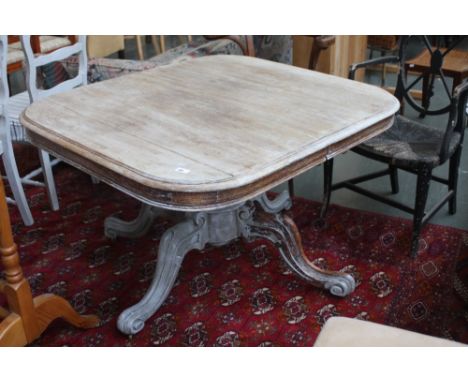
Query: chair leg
x=425, y=95
x=327, y=186
x=49, y=179
x=383, y=72
x=422, y=191
x=15, y=184
x=394, y=179
x=162, y=42
x=453, y=179
x=291, y=187
x=139, y=45
x=156, y=45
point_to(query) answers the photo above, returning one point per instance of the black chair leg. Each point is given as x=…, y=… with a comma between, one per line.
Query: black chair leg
x=453, y=179
x=422, y=190
x=291, y=187
x=327, y=186
x=394, y=179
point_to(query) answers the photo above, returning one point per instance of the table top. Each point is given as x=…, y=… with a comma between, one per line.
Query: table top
x=208, y=132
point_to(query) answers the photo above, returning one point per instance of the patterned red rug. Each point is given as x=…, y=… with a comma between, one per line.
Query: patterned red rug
x=241, y=294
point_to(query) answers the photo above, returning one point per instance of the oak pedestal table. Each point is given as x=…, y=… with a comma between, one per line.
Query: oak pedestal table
x=209, y=136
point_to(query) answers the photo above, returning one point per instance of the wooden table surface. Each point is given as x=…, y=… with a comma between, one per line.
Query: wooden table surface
x=209, y=132
x=455, y=62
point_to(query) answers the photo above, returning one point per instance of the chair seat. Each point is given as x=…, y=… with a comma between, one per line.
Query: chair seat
x=48, y=44
x=409, y=144
x=15, y=54
x=345, y=332
x=16, y=105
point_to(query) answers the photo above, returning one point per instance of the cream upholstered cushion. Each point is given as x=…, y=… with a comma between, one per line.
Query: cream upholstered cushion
x=48, y=44
x=14, y=55
x=342, y=331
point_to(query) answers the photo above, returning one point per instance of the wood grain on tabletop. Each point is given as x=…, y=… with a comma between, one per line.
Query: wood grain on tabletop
x=211, y=123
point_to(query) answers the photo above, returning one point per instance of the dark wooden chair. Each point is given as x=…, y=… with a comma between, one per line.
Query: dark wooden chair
x=414, y=147
x=439, y=59
x=321, y=43
x=386, y=45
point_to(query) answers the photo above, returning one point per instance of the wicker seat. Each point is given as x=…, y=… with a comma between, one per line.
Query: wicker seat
x=410, y=144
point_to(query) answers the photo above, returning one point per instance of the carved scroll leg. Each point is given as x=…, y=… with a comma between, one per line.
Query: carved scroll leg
x=174, y=245
x=282, y=231
x=281, y=202
x=114, y=227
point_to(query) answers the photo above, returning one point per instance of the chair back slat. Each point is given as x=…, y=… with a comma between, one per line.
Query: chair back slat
x=56, y=55
x=33, y=62
x=4, y=91
x=457, y=119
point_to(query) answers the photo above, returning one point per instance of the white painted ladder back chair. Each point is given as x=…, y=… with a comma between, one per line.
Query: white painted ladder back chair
x=34, y=62
x=6, y=148
x=20, y=101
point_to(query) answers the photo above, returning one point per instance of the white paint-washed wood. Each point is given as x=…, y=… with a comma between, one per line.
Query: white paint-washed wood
x=208, y=124
x=6, y=147
x=219, y=228
x=33, y=62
